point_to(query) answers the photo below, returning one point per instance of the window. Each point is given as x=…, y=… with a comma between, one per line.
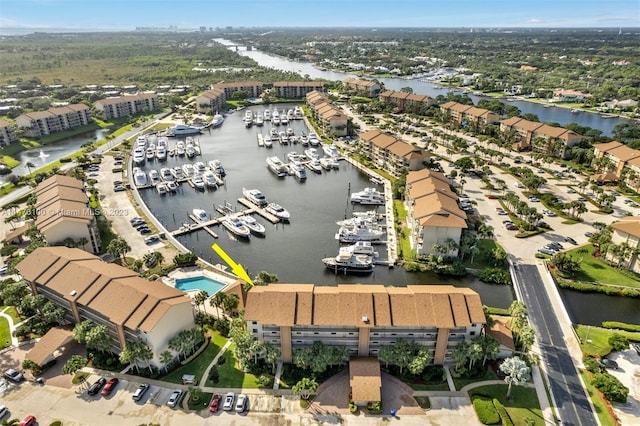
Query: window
x=315, y=332
x=333, y=333
x=255, y=330
x=473, y=333
x=254, y=322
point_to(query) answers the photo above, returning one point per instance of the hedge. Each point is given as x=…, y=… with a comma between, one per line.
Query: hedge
x=597, y=288
x=620, y=326
x=197, y=352
x=506, y=420
x=486, y=411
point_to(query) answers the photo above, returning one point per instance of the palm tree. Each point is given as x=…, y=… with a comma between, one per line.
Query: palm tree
x=216, y=301
x=165, y=358
x=516, y=372
x=75, y=363
x=200, y=298
x=119, y=247
x=29, y=165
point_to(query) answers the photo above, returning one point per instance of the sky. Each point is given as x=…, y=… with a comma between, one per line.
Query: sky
x=116, y=15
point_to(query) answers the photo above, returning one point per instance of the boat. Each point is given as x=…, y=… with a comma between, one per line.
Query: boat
x=254, y=226
x=255, y=196
x=349, y=263
x=190, y=149
x=275, y=118
x=330, y=150
x=358, y=221
x=293, y=157
x=377, y=180
x=368, y=196
x=161, y=153
x=326, y=163
x=314, y=165
x=276, y=165
x=180, y=148
x=161, y=188
x=273, y=133
x=362, y=247
x=198, y=182
x=259, y=121
x=282, y=136
x=283, y=118
x=298, y=114
x=266, y=115
x=304, y=140
x=154, y=177
x=138, y=156
x=290, y=131
x=335, y=163
x=201, y=215
x=200, y=167
x=313, y=139
x=210, y=179
x=268, y=143
x=177, y=172
x=188, y=170
x=216, y=167
x=162, y=142
x=182, y=130
x=171, y=186
x=236, y=227
x=151, y=152
x=574, y=111
x=248, y=118
x=139, y=177
x=312, y=153
x=290, y=114
x=298, y=170
x=278, y=211
x=368, y=214
x=166, y=175
x=352, y=234
x=217, y=120
x=141, y=142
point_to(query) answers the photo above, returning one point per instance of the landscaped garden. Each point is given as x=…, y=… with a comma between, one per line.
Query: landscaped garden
x=595, y=269
x=522, y=408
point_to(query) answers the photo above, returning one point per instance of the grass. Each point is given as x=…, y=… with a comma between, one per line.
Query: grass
x=599, y=403
x=462, y=382
x=231, y=376
x=523, y=404
x=198, y=366
x=12, y=312
x=79, y=378
x=593, y=269
x=484, y=258
x=5, y=335
x=429, y=387
x=201, y=403
x=594, y=341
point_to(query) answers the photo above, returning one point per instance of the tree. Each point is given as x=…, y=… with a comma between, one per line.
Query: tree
x=119, y=247
x=98, y=338
x=29, y=165
x=200, y=298
x=81, y=329
x=75, y=363
x=216, y=301
x=490, y=348
x=305, y=388
x=516, y=371
x=618, y=342
x=165, y=358
x=230, y=303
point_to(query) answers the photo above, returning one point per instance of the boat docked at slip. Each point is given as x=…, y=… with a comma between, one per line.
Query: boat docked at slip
x=171, y=186
x=161, y=188
x=190, y=149
x=361, y=247
x=294, y=157
x=312, y=153
x=216, y=167
x=166, y=175
x=154, y=177
x=368, y=196
x=284, y=120
x=201, y=215
x=200, y=167
x=151, y=152
x=330, y=150
x=298, y=114
x=298, y=171
x=161, y=153
x=266, y=115
x=180, y=149
x=352, y=234
x=277, y=166
x=377, y=180
x=182, y=130
x=326, y=163
x=188, y=170
x=349, y=263
x=278, y=211
x=178, y=173
x=255, y=227
x=282, y=137
x=304, y=139
x=138, y=156
x=268, y=143
x=259, y=121
x=314, y=165
x=255, y=196
x=275, y=118
x=236, y=227
x=217, y=120
x=198, y=182
x=210, y=180
x=358, y=221
x=248, y=118
x=139, y=177
x=313, y=139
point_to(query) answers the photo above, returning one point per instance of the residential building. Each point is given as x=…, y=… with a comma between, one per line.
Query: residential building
x=62, y=211
x=433, y=215
x=253, y=89
x=468, y=116
x=126, y=106
x=365, y=87
x=566, y=95
x=87, y=288
x=538, y=136
x=332, y=121
x=394, y=155
x=501, y=331
x=363, y=318
x=615, y=161
x=626, y=231
x=7, y=134
x=406, y=101
x=295, y=89
x=41, y=123
x=211, y=101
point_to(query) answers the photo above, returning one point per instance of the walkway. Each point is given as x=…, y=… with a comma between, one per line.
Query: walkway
x=12, y=326
x=214, y=362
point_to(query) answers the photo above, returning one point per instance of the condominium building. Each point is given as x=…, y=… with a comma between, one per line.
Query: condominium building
x=42, y=123
x=126, y=106
x=211, y=101
x=539, y=137
x=391, y=154
x=622, y=163
x=87, y=288
x=253, y=89
x=295, y=89
x=363, y=318
x=329, y=117
x=405, y=102
x=62, y=211
x=468, y=116
x=365, y=87
x=7, y=134
x=626, y=231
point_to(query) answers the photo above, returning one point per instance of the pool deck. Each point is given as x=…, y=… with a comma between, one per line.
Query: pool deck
x=195, y=272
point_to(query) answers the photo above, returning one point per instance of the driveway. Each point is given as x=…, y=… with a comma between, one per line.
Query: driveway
x=629, y=374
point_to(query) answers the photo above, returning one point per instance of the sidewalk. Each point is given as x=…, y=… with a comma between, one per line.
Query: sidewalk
x=12, y=327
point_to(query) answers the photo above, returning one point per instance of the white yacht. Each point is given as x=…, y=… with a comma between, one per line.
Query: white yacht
x=298, y=114
x=326, y=163
x=161, y=153
x=201, y=215
x=217, y=120
x=268, y=143
x=236, y=227
x=182, y=130
x=138, y=156
x=210, y=179
x=312, y=153
x=198, y=182
x=162, y=142
x=180, y=150
x=313, y=139
x=216, y=167
x=361, y=247
x=368, y=196
x=314, y=165
x=298, y=170
x=139, y=177
x=141, y=142
x=266, y=115
x=178, y=173
x=171, y=186
x=283, y=118
x=278, y=211
x=154, y=177
x=352, y=234
x=290, y=114
x=273, y=133
x=349, y=263
x=290, y=131
x=330, y=150
x=275, y=118
x=190, y=149
x=293, y=157
x=358, y=221
x=248, y=118
x=255, y=196
x=276, y=165
x=161, y=188
x=259, y=121
x=188, y=170
x=166, y=175
x=304, y=139
x=377, y=180
x=200, y=167
x=282, y=136
x=151, y=152
x=254, y=226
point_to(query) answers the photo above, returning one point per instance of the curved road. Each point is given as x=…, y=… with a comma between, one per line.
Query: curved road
x=571, y=402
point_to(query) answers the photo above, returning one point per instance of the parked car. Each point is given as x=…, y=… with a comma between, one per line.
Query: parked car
x=229, y=398
x=135, y=219
x=97, y=386
x=609, y=363
x=145, y=231
x=215, y=403
x=152, y=239
x=636, y=347
x=119, y=188
x=571, y=240
x=174, y=398
x=139, y=393
x=546, y=251
x=4, y=269
x=13, y=375
x=241, y=403
x=28, y=421
x=3, y=411
x=110, y=386
x=556, y=245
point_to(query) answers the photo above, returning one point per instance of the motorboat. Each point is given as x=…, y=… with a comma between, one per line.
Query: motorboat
x=200, y=167
x=282, y=137
x=138, y=156
x=162, y=143
x=216, y=167
x=248, y=118
x=368, y=196
x=335, y=163
x=368, y=214
x=273, y=133
x=255, y=227
x=361, y=247
x=151, y=152
x=326, y=163
x=161, y=188
x=188, y=170
x=210, y=179
x=313, y=139
x=161, y=153
x=314, y=165
x=312, y=153
x=349, y=263
x=255, y=196
x=154, y=177
x=178, y=173
x=358, y=221
x=266, y=115
x=217, y=120
x=304, y=140
x=284, y=120
x=180, y=150
x=278, y=211
x=276, y=165
x=352, y=234
x=294, y=157
x=330, y=150
x=298, y=114
x=290, y=114
x=268, y=143
x=298, y=170
x=290, y=131
x=377, y=180
x=198, y=182
x=166, y=175
x=201, y=215
x=182, y=130
x=275, y=118
x=141, y=142
x=139, y=177
x=190, y=149
x=236, y=227
x=259, y=121
x=171, y=186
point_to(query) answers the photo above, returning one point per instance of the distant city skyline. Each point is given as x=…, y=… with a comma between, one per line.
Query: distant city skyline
x=124, y=15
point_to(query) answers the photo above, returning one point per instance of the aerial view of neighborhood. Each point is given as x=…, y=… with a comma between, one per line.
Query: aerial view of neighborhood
x=291, y=225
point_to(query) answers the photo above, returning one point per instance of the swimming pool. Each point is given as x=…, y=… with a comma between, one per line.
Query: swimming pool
x=199, y=283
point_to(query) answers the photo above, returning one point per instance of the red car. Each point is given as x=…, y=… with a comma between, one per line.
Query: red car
x=28, y=421
x=110, y=386
x=215, y=402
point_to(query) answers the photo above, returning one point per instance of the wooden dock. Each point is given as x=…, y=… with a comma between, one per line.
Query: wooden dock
x=262, y=212
x=260, y=140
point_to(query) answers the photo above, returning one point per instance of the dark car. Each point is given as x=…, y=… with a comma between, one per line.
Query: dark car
x=110, y=386
x=97, y=386
x=145, y=231
x=215, y=403
x=609, y=363
x=13, y=375
x=119, y=188
x=152, y=239
x=571, y=240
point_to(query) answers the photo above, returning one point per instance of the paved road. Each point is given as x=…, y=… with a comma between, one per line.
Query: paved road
x=571, y=402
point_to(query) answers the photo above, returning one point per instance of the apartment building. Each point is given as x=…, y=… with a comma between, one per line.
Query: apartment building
x=364, y=87
x=539, y=137
x=252, y=88
x=406, y=101
x=332, y=121
x=87, y=288
x=62, y=211
x=295, y=89
x=41, y=123
x=433, y=215
x=211, y=101
x=363, y=318
x=627, y=230
x=7, y=134
x=469, y=116
x=391, y=154
x=126, y=106
x=623, y=163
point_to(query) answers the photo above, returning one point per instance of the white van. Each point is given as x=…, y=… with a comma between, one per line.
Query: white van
x=519, y=185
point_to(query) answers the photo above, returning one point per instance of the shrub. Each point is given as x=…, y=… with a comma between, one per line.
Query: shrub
x=353, y=408
x=8, y=249
x=621, y=326
x=214, y=374
x=495, y=275
x=618, y=342
x=592, y=365
x=610, y=387
x=486, y=411
x=265, y=381
x=117, y=170
x=502, y=412
x=374, y=407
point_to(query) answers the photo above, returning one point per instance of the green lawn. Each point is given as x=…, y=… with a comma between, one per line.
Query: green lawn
x=484, y=258
x=198, y=366
x=12, y=312
x=5, y=336
x=231, y=376
x=524, y=402
x=462, y=382
x=593, y=269
x=202, y=403
x=599, y=403
x=595, y=340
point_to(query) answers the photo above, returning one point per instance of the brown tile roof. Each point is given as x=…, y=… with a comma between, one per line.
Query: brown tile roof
x=418, y=175
x=346, y=305
x=501, y=332
x=629, y=225
x=605, y=147
x=448, y=105
x=623, y=153
x=58, y=180
x=511, y=121
x=383, y=140
x=365, y=380
x=15, y=233
x=37, y=115
x=49, y=343
x=402, y=149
